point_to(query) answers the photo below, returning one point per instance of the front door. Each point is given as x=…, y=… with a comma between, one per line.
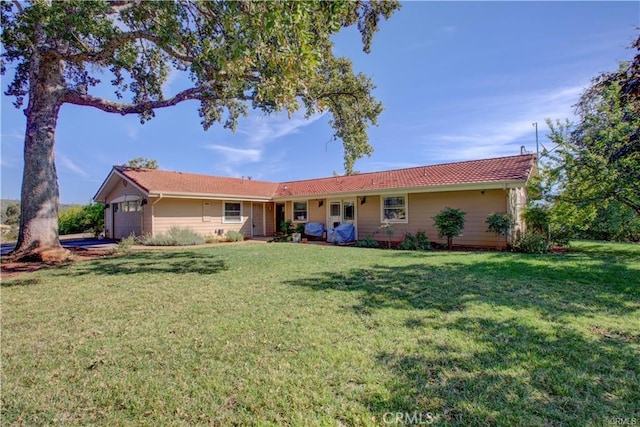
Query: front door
x=257, y=219
x=342, y=212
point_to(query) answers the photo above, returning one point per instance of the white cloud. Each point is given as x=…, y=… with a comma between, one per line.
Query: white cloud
x=132, y=130
x=13, y=135
x=262, y=130
x=236, y=155
x=70, y=166
x=505, y=125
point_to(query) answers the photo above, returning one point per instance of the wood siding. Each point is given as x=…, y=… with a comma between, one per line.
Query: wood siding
x=317, y=213
x=270, y=218
x=424, y=206
x=188, y=213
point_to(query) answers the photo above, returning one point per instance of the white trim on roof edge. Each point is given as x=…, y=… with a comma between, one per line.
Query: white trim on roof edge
x=492, y=185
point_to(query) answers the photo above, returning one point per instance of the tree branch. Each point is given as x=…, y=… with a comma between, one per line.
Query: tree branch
x=77, y=98
x=18, y=5
x=107, y=52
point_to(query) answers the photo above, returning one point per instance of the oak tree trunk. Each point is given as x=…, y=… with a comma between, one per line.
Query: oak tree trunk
x=38, y=237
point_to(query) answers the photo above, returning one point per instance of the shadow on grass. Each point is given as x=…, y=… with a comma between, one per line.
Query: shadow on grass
x=514, y=374
x=556, y=287
x=497, y=367
x=151, y=262
x=20, y=282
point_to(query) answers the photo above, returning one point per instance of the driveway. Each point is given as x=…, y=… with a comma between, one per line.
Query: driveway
x=86, y=243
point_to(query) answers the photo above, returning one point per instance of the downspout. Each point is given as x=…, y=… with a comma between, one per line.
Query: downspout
x=153, y=215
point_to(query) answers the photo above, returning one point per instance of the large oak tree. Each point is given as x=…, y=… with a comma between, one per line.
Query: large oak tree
x=269, y=56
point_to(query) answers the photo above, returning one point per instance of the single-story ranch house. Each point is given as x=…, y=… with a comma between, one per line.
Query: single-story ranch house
x=149, y=201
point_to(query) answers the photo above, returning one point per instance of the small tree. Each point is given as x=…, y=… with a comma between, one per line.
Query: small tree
x=450, y=223
x=498, y=223
x=140, y=162
x=387, y=227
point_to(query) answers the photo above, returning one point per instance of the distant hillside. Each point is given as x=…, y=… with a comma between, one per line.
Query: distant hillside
x=6, y=202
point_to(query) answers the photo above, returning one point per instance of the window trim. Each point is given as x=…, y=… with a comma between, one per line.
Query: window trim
x=226, y=220
x=131, y=206
x=404, y=220
x=306, y=211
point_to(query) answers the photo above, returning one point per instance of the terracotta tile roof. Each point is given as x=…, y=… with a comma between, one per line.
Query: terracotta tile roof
x=496, y=170
x=159, y=181
x=502, y=169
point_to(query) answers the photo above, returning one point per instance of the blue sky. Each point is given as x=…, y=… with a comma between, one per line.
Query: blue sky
x=458, y=80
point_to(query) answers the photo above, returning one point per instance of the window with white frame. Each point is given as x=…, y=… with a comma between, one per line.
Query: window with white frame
x=394, y=208
x=232, y=212
x=300, y=211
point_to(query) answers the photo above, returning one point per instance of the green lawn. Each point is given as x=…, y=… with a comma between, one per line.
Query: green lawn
x=286, y=334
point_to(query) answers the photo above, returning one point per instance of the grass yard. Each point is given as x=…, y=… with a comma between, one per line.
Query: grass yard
x=286, y=334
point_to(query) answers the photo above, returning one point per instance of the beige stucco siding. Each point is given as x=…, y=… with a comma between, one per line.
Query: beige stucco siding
x=188, y=213
x=424, y=206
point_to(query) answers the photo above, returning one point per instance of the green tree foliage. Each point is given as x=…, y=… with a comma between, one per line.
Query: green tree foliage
x=449, y=222
x=269, y=56
x=592, y=176
x=537, y=218
x=82, y=219
x=12, y=214
x=499, y=224
x=610, y=220
x=597, y=159
x=140, y=162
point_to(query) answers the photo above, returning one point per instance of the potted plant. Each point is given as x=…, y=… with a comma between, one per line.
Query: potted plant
x=297, y=233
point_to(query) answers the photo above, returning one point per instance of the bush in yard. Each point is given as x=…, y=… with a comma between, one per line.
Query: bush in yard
x=537, y=218
x=82, y=219
x=367, y=242
x=125, y=245
x=449, y=222
x=210, y=238
x=176, y=236
x=498, y=223
x=286, y=227
x=532, y=242
x=234, y=236
x=419, y=242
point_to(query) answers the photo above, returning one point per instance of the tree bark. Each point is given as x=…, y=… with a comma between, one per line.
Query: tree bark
x=38, y=238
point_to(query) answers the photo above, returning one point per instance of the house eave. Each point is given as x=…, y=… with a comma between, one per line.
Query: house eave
x=208, y=196
x=491, y=185
x=106, y=188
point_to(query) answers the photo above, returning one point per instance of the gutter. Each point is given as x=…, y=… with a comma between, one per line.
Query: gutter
x=490, y=185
